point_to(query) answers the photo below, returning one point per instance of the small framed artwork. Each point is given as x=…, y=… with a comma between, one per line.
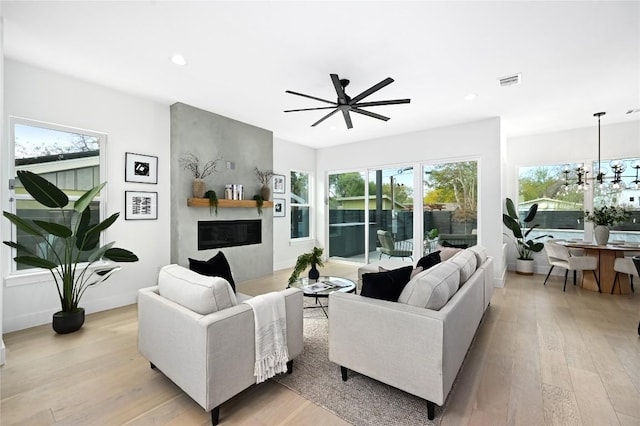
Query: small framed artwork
x=141, y=205
x=278, y=184
x=140, y=168
x=279, y=205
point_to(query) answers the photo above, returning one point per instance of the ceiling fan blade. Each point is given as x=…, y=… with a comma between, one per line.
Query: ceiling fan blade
x=325, y=117
x=378, y=103
x=371, y=90
x=308, y=109
x=347, y=118
x=370, y=114
x=311, y=97
x=342, y=97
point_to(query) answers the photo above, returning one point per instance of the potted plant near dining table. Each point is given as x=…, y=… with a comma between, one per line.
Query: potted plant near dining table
x=603, y=218
x=69, y=248
x=521, y=229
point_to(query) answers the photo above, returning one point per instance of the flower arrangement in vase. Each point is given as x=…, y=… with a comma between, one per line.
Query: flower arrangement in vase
x=604, y=217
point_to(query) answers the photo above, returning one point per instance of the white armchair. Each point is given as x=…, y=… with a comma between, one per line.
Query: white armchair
x=211, y=357
x=561, y=256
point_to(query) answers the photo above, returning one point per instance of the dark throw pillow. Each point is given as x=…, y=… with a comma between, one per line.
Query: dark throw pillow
x=429, y=260
x=217, y=266
x=460, y=246
x=386, y=285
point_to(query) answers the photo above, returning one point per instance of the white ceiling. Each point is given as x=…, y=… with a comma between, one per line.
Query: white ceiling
x=576, y=58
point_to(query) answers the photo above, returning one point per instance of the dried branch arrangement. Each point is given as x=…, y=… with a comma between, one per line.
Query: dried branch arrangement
x=264, y=177
x=191, y=163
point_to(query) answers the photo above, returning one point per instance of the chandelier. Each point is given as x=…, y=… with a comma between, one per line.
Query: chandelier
x=603, y=183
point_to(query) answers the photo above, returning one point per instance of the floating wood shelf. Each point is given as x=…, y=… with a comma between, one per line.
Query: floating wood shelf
x=204, y=202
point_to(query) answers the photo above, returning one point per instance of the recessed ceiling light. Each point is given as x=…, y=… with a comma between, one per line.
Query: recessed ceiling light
x=179, y=60
x=470, y=96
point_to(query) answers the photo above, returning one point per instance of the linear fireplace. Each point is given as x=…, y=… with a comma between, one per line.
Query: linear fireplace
x=228, y=233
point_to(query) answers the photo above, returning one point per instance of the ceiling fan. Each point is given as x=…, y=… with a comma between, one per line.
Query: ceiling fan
x=347, y=104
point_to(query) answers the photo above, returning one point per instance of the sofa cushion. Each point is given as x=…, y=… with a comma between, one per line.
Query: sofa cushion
x=447, y=253
x=217, y=266
x=432, y=288
x=466, y=261
x=386, y=285
x=199, y=293
x=429, y=260
x=480, y=252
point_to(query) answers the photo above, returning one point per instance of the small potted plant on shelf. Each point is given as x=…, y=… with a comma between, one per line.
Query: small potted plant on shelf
x=69, y=250
x=264, y=177
x=191, y=163
x=313, y=259
x=603, y=218
x=524, y=247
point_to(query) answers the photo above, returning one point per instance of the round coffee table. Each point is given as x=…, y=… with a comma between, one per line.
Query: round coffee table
x=322, y=288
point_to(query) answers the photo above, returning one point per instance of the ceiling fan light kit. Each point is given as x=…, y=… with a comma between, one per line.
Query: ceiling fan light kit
x=346, y=104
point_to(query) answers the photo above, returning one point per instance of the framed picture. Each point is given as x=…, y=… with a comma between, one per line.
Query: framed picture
x=140, y=205
x=278, y=184
x=279, y=205
x=140, y=168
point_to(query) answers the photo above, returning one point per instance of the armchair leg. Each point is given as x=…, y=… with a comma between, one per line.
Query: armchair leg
x=343, y=370
x=549, y=273
x=153, y=366
x=431, y=410
x=575, y=274
x=597, y=280
x=215, y=415
x=290, y=367
x=631, y=282
x=566, y=273
x=616, y=279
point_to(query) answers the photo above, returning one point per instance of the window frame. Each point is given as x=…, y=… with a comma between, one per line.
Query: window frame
x=17, y=276
x=308, y=205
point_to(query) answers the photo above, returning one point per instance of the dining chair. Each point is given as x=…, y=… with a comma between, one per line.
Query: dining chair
x=624, y=265
x=561, y=256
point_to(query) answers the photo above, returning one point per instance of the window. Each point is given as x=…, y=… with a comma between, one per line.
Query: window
x=69, y=158
x=300, y=205
x=450, y=203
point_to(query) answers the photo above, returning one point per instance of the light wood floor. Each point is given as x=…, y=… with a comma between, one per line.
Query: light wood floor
x=541, y=356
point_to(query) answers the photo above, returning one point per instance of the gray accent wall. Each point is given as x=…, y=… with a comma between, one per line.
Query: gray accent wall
x=208, y=136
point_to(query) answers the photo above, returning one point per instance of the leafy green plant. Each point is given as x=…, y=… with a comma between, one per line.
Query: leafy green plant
x=432, y=234
x=213, y=200
x=607, y=215
x=524, y=246
x=304, y=261
x=67, y=245
x=259, y=203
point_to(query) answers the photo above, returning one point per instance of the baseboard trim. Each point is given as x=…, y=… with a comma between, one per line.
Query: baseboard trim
x=2, y=353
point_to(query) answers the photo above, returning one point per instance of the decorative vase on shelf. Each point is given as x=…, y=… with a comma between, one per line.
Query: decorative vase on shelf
x=601, y=234
x=198, y=188
x=265, y=192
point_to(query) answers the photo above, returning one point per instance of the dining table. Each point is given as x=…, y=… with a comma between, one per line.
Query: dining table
x=606, y=255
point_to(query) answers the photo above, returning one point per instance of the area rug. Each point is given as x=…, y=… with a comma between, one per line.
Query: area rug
x=360, y=400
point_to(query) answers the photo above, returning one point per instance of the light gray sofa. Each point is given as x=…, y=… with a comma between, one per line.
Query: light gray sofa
x=414, y=348
x=210, y=356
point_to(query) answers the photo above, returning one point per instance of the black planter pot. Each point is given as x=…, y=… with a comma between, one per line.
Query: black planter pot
x=314, y=274
x=68, y=322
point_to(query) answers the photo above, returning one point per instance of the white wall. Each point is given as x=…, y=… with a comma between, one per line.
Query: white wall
x=289, y=156
x=479, y=140
x=3, y=173
x=133, y=125
x=621, y=140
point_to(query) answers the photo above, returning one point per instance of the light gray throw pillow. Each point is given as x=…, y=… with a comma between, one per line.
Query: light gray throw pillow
x=432, y=288
x=199, y=293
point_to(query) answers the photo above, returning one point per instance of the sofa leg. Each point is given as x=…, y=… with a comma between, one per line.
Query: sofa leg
x=215, y=415
x=431, y=410
x=153, y=366
x=343, y=370
x=290, y=367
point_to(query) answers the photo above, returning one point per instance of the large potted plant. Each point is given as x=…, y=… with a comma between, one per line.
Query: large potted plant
x=520, y=230
x=603, y=218
x=71, y=249
x=313, y=259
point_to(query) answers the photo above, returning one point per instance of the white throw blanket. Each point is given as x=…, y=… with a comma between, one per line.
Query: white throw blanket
x=270, y=317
